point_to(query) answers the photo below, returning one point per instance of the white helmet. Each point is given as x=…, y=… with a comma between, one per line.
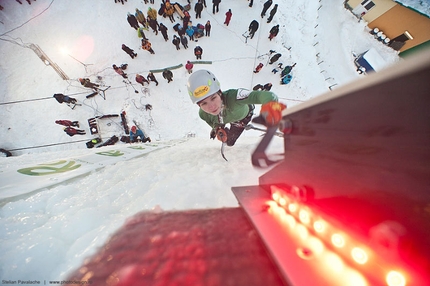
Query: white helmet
x=202, y=84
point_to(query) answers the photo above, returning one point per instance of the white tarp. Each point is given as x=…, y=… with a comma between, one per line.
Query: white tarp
x=372, y=59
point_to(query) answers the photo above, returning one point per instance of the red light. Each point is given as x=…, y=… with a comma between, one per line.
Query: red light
x=292, y=207
x=338, y=240
x=282, y=201
x=302, y=231
x=395, y=278
x=304, y=217
x=319, y=226
x=275, y=196
x=359, y=255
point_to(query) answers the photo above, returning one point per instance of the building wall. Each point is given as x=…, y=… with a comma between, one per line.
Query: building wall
x=399, y=19
x=394, y=19
x=381, y=6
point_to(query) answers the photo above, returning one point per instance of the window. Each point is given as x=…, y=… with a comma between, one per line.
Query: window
x=369, y=5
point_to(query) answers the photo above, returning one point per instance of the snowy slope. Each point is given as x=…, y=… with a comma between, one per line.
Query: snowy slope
x=85, y=38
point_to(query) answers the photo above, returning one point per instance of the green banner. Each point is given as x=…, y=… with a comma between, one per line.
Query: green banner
x=113, y=153
x=49, y=169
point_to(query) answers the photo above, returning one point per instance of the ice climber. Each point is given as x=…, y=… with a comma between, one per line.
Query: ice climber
x=233, y=106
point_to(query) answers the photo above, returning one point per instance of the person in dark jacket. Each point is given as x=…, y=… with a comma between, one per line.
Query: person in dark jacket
x=64, y=98
x=258, y=87
x=274, y=58
x=253, y=27
x=208, y=28
x=198, y=51
x=176, y=41
x=266, y=7
x=186, y=19
x=163, y=29
x=215, y=7
x=153, y=24
x=272, y=13
x=151, y=77
x=273, y=32
x=167, y=74
x=72, y=131
x=87, y=83
x=184, y=41
x=198, y=8
x=131, y=19
x=129, y=51
x=267, y=86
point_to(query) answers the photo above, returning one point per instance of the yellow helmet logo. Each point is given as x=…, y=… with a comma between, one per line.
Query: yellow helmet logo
x=201, y=91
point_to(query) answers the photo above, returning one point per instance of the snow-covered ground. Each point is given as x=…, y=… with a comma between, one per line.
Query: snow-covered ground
x=46, y=234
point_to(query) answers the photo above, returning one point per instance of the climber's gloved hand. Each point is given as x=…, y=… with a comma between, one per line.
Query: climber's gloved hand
x=271, y=112
x=220, y=133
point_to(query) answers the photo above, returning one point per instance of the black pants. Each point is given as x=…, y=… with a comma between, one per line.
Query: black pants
x=237, y=127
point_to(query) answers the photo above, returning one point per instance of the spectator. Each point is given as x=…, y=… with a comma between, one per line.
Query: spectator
x=189, y=67
x=72, y=131
x=272, y=13
x=208, y=28
x=136, y=133
x=167, y=74
x=141, y=79
x=258, y=68
x=198, y=51
x=151, y=77
x=228, y=17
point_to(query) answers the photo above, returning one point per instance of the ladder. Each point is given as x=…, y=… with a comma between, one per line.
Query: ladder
x=47, y=61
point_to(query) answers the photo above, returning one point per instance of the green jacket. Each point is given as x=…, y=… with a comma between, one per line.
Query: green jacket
x=236, y=107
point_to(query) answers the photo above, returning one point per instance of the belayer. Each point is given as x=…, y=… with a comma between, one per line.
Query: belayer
x=64, y=98
x=136, y=133
x=87, y=83
x=233, y=106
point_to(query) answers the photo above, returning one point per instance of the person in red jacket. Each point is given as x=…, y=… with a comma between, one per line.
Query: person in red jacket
x=141, y=79
x=228, y=17
x=119, y=71
x=258, y=68
x=72, y=131
x=67, y=123
x=189, y=67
